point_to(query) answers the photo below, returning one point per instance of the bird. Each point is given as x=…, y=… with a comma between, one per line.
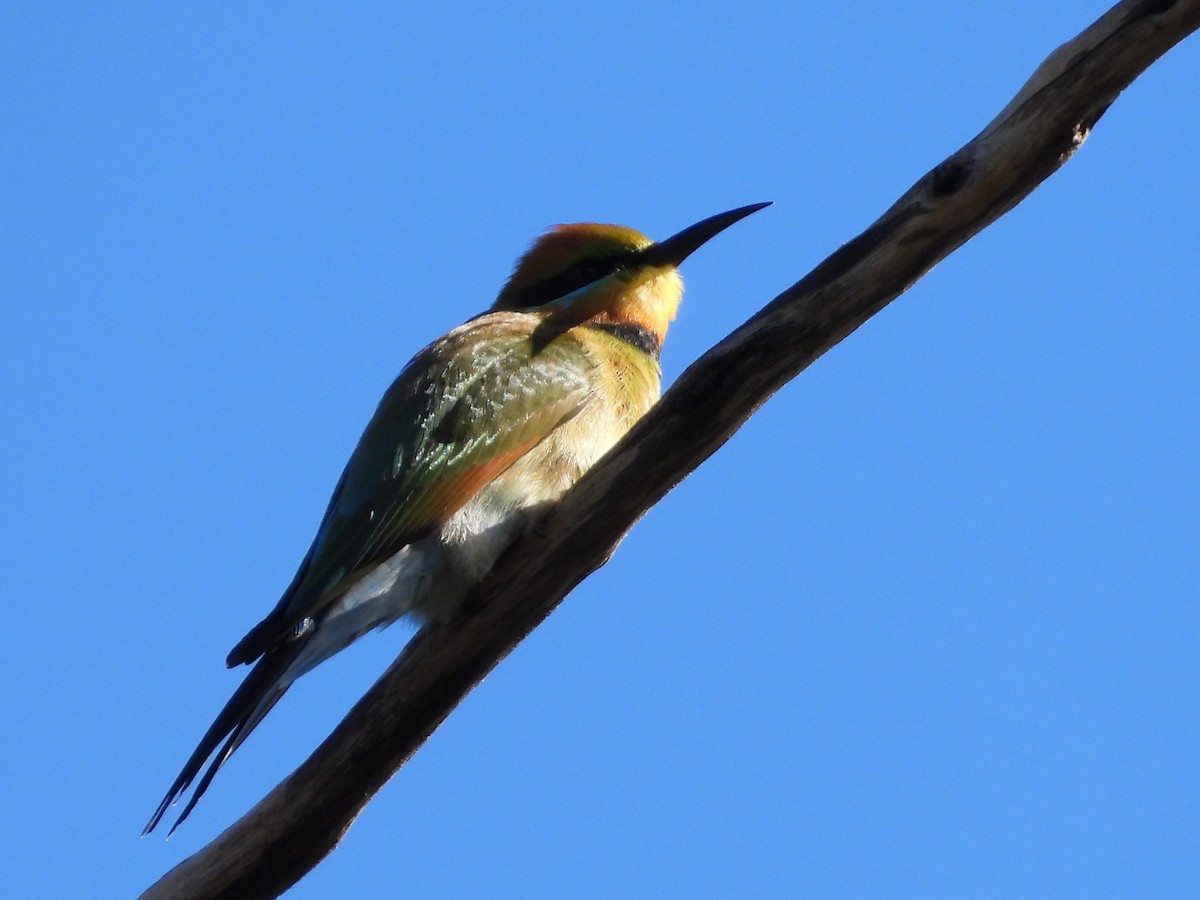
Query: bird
x=483, y=429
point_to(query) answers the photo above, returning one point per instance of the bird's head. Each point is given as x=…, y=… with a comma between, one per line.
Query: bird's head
x=608, y=273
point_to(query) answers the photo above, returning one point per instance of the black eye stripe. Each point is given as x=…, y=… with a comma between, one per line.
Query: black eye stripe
x=582, y=273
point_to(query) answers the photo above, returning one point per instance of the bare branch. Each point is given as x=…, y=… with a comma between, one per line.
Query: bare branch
x=300, y=821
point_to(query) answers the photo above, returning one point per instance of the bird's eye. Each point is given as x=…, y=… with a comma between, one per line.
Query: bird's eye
x=589, y=270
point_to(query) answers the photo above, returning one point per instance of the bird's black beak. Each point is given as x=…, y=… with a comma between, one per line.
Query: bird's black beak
x=679, y=247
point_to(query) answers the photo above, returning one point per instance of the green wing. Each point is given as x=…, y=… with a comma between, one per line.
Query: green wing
x=464, y=410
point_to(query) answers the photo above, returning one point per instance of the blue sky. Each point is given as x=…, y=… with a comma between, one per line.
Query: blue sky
x=927, y=626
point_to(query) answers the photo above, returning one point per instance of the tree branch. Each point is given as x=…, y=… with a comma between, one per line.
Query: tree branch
x=300, y=821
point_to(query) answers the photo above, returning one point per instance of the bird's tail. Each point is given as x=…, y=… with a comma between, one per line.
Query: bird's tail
x=261, y=690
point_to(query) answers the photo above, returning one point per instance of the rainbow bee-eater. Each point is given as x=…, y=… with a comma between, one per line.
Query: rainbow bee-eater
x=486, y=425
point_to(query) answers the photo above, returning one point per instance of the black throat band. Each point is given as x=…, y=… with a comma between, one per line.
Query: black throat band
x=634, y=335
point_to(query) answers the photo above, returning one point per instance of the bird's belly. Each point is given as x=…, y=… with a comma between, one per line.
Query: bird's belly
x=474, y=537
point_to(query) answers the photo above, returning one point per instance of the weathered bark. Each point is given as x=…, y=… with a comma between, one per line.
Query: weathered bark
x=300, y=821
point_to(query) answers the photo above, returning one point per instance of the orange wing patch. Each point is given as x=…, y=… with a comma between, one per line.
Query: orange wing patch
x=451, y=493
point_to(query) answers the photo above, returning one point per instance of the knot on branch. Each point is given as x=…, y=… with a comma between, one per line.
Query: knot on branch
x=1158, y=7
x=948, y=178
